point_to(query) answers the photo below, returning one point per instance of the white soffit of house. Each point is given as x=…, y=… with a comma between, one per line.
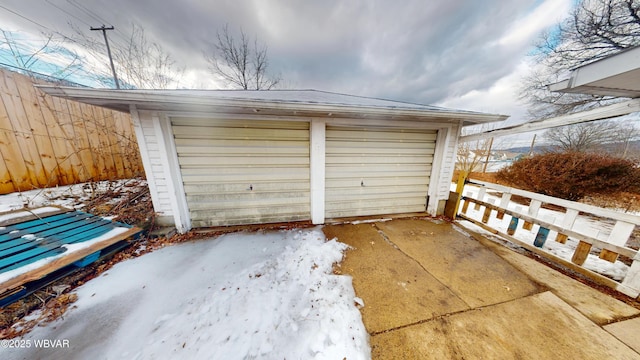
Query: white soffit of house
x=617, y=75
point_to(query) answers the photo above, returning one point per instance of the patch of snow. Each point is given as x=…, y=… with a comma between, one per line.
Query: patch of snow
x=369, y=221
x=65, y=196
x=240, y=296
x=587, y=225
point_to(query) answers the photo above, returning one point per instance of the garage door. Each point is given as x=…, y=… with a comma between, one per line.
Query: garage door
x=377, y=171
x=243, y=172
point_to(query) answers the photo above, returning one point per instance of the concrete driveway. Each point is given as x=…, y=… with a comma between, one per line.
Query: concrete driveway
x=433, y=292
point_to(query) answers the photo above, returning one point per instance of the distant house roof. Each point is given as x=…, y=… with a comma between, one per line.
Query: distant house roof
x=272, y=102
x=616, y=75
x=506, y=155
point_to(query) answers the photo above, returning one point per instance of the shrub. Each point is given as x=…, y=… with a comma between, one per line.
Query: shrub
x=572, y=175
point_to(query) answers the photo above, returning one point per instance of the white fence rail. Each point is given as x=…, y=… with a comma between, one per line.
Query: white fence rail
x=609, y=238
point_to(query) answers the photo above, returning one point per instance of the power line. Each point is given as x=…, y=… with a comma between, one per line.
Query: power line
x=24, y=17
x=67, y=12
x=84, y=9
x=97, y=18
x=86, y=66
x=40, y=25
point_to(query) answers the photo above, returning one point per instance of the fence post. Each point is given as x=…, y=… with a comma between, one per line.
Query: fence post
x=581, y=253
x=462, y=179
x=513, y=225
x=534, y=207
x=504, y=203
x=541, y=237
x=619, y=235
x=481, y=193
x=632, y=279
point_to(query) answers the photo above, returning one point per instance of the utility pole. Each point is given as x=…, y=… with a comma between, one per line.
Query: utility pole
x=113, y=69
x=533, y=143
x=486, y=162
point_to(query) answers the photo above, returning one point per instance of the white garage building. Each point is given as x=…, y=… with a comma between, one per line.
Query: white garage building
x=227, y=157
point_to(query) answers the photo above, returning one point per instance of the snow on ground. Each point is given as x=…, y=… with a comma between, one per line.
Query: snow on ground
x=240, y=296
x=586, y=225
x=66, y=196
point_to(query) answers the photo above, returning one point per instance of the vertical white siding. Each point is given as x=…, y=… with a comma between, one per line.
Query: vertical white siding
x=151, y=159
x=172, y=176
x=317, y=169
x=449, y=163
x=443, y=167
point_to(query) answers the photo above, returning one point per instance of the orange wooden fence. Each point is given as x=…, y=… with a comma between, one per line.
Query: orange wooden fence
x=47, y=141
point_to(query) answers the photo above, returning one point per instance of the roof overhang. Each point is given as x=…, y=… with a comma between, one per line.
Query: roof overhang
x=600, y=113
x=617, y=75
x=211, y=102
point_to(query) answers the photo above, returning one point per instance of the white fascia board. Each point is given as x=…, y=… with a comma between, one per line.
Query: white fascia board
x=601, y=113
x=559, y=86
x=603, y=77
x=617, y=64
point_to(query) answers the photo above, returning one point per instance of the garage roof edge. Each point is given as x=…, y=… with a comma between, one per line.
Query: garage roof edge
x=303, y=100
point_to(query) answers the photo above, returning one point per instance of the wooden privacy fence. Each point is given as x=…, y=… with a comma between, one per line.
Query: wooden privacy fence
x=592, y=230
x=47, y=141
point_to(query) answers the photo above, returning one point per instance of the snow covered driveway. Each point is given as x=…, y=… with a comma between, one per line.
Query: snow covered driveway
x=240, y=296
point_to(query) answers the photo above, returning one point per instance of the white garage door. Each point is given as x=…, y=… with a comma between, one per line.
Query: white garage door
x=373, y=171
x=243, y=172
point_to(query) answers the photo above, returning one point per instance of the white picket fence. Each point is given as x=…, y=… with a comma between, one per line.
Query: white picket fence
x=568, y=225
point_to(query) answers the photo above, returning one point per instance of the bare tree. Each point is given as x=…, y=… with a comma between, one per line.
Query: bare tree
x=145, y=64
x=139, y=62
x=583, y=137
x=470, y=155
x=240, y=63
x=595, y=29
x=612, y=137
x=626, y=133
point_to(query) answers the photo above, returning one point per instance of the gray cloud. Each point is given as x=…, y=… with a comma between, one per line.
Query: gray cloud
x=418, y=51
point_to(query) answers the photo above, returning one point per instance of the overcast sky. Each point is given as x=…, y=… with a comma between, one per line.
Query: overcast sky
x=464, y=54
